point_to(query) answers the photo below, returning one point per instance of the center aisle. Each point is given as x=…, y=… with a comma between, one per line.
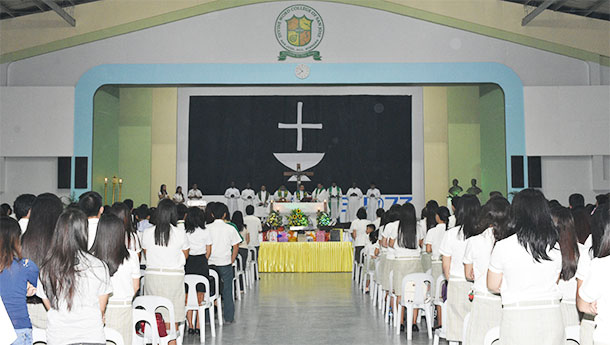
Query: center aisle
x=306, y=308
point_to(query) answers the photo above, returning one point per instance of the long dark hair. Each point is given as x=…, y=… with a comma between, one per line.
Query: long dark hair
x=494, y=214
x=467, y=214
x=530, y=218
x=58, y=271
x=600, y=231
x=238, y=220
x=10, y=249
x=443, y=214
x=109, y=245
x=37, y=238
x=166, y=217
x=407, y=227
x=194, y=219
x=582, y=223
x=121, y=210
x=161, y=189
x=568, y=243
x=431, y=207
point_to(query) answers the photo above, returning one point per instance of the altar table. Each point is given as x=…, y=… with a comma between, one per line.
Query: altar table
x=305, y=257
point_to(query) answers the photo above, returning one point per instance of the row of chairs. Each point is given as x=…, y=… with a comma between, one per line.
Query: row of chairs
x=419, y=290
x=144, y=307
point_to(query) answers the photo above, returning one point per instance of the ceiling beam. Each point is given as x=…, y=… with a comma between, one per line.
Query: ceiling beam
x=594, y=7
x=6, y=10
x=559, y=4
x=60, y=11
x=537, y=11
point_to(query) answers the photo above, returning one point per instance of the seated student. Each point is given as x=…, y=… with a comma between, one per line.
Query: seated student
x=22, y=206
x=91, y=204
x=75, y=284
x=225, y=244
x=486, y=307
x=166, y=248
x=124, y=269
x=359, y=232
x=18, y=278
x=593, y=296
x=526, y=266
x=200, y=249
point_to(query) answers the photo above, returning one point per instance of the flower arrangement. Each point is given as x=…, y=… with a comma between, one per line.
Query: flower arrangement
x=298, y=218
x=323, y=219
x=274, y=219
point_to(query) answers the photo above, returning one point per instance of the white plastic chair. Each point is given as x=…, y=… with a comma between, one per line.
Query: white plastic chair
x=364, y=276
x=39, y=335
x=151, y=303
x=113, y=336
x=199, y=309
x=441, y=332
x=465, y=328
x=237, y=273
x=151, y=334
x=573, y=333
x=491, y=336
x=254, y=264
x=421, y=300
x=387, y=301
x=217, y=297
x=360, y=268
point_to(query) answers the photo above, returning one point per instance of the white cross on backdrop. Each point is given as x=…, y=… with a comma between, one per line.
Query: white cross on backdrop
x=299, y=126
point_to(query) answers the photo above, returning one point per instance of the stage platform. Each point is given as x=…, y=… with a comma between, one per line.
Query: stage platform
x=305, y=257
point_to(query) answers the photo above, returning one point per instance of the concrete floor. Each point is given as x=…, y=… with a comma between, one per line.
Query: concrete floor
x=307, y=308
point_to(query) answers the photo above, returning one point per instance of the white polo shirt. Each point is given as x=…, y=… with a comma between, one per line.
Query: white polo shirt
x=122, y=279
x=92, y=231
x=254, y=226
x=595, y=289
x=398, y=251
x=453, y=245
x=224, y=237
x=434, y=237
x=165, y=257
x=198, y=240
x=478, y=252
x=359, y=226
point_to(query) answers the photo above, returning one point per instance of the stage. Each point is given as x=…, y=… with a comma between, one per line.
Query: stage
x=305, y=257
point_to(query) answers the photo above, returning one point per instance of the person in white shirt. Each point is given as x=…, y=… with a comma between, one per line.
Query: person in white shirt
x=372, y=251
x=587, y=324
x=319, y=194
x=335, y=194
x=486, y=307
x=354, y=196
x=427, y=222
x=166, y=248
x=282, y=194
x=379, y=213
x=163, y=194
x=432, y=243
x=593, y=297
x=452, y=249
x=254, y=226
x=232, y=195
x=262, y=197
x=178, y=196
x=248, y=195
x=225, y=241
x=300, y=194
x=91, y=204
x=524, y=269
x=194, y=193
x=75, y=285
x=124, y=269
x=22, y=206
x=359, y=233
x=386, y=255
x=200, y=249
x=373, y=195
x=402, y=236
x=454, y=203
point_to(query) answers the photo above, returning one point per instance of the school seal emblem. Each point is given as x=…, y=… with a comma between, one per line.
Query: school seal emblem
x=299, y=30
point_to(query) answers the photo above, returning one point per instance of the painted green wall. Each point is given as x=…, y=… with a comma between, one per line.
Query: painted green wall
x=493, y=133
x=105, y=159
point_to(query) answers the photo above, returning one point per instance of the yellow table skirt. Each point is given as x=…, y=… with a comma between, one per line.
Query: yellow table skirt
x=305, y=257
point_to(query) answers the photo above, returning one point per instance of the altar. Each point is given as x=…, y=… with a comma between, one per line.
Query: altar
x=308, y=208
x=306, y=257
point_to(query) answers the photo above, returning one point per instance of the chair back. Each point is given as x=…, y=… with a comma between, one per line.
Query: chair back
x=421, y=288
x=252, y=254
x=216, y=294
x=362, y=255
x=191, y=280
x=113, y=336
x=151, y=327
x=239, y=263
x=39, y=335
x=438, y=289
x=151, y=303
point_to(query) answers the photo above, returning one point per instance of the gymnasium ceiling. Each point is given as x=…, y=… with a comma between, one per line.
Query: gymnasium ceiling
x=599, y=9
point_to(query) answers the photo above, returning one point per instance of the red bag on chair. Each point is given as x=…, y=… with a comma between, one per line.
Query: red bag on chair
x=160, y=326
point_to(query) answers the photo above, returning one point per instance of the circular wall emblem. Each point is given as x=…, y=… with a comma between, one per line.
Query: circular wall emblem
x=299, y=29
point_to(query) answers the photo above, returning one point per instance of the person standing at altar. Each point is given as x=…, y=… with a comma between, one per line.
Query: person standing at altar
x=335, y=194
x=319, y=194
x=373, y=195
x=194, y=193
x=300, y=194
x=282, y=194
x=354, y=195
x=248, y=195
x=263, y=197
x=232, y=194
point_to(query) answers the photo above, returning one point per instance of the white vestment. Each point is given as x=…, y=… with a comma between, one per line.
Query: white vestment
x=334, y=196
x=373, y=195
x=353, y=204
x=232, y=195
x=262, y=198
x=195, y=193
x=279, y=195
x=248, y=197
x=319, y=195
x=299, y=195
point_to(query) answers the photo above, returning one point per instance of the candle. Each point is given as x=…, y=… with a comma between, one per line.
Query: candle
x=105, y=188
x=120, y=187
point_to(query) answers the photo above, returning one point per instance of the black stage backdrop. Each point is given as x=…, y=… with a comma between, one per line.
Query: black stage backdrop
x=366, y=138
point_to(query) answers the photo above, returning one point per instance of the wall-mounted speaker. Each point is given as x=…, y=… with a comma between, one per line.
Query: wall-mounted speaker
x=516, y=169
x=64, y=167
x=80, y=172
x=534, y=172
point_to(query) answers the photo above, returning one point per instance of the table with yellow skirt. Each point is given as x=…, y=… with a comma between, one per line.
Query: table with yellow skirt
x=305, y=257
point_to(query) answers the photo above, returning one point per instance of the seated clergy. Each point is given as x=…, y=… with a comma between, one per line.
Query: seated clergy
x=282, y=194
x=300, y=195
